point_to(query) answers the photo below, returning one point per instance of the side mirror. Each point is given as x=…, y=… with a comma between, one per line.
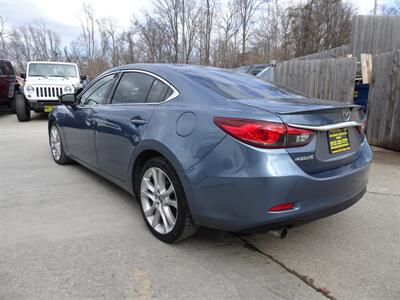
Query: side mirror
x=83, y=78
x=23, y=75
x=68, y=99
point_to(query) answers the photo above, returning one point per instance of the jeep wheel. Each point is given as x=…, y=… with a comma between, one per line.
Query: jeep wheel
x=22, y=108
x=12, y=105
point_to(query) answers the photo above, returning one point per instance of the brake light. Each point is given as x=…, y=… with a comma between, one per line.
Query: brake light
x=264, y=134
x=282, y=207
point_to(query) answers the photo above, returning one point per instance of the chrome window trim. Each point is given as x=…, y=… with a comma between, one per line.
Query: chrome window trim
x=175, y=92
x=329, y=127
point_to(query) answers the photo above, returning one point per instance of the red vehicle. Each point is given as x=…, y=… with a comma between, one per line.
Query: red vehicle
x=9, y=85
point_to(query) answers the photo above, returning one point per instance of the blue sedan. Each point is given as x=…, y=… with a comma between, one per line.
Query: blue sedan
x=202, y=146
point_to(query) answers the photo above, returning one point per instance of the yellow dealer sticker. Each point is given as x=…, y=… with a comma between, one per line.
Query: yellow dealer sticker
x=48, y=108
x=338, y=140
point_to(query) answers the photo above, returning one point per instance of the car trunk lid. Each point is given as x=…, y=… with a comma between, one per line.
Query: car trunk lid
x=337, y=137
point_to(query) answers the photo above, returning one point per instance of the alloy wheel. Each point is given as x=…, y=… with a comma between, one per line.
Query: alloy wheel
x=158, y=199
x=55, y=143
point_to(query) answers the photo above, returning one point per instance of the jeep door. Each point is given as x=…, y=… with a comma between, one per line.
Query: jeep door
x=80, y=122
x=4, y=83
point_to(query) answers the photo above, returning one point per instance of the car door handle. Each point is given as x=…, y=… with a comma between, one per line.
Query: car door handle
x=137, y=121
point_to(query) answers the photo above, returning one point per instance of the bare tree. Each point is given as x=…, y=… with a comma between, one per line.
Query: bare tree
x=229, y=27
x=319, y=25
x=389, y=10
x=88, y=31
x=190, y=20
x=3, y=37
x=209, y=14
x=211, y=32
x=246, y=10
x=152, y=40
x=168, y=12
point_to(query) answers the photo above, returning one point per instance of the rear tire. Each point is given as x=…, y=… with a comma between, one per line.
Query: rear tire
x=22, y=108
x=163, y=203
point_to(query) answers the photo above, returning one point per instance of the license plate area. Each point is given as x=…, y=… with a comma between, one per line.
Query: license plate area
x=48, y=108
x=338, y=140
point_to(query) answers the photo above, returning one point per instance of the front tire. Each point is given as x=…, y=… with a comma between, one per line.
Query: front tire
x=163, y=202
x=56, y=146
x=22, y=108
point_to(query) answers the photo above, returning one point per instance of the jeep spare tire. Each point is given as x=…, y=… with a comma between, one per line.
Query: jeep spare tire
x=22, y=108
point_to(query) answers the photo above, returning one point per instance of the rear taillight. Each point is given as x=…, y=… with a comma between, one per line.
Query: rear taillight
x=264, y=134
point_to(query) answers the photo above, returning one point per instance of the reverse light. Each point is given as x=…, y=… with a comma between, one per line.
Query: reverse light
x=264, y=134
x=281, y=207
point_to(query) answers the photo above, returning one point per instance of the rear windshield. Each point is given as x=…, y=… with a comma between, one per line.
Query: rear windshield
x=235, y=86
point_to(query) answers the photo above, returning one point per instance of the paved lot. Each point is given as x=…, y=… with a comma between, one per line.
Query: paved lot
x=66, y=233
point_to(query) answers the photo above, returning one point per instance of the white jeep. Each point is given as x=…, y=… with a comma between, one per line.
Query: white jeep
x=44, y=83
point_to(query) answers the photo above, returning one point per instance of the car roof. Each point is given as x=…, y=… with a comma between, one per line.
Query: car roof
x=168, y=69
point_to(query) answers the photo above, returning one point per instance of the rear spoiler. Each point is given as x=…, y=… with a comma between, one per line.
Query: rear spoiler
x=328, y=109
x=330, y=126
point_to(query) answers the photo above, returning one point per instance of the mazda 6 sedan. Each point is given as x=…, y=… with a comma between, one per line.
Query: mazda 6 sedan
x=201, y=146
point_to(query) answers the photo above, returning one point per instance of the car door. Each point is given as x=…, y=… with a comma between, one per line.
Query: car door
x=3, y=84
x=80, y=122
x=121, y=124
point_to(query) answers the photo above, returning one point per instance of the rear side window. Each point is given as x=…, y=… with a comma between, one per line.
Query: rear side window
x=2, y=71
x=157, y=92
x=133, y=88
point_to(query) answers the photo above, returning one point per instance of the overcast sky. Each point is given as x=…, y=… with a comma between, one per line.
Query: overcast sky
x=62, y=16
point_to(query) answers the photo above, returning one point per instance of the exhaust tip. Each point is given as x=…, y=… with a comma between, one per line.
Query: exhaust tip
x=281, y=232
x=284, y=233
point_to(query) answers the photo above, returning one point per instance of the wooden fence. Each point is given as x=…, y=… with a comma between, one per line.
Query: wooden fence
x=375, y=34
x=340, y=51
x=330, y=79
x=384, y=101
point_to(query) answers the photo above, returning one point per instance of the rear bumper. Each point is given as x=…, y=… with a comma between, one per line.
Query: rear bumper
x=306, y=217
x=235, y=185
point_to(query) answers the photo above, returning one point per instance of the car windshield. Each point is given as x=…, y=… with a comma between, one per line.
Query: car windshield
x=236, y=86
x=54, y=70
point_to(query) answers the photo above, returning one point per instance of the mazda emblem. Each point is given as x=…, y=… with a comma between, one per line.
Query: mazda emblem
x=346, y=115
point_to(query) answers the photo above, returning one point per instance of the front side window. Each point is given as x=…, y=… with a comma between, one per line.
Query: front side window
x=96, y=94
x=133, y=88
